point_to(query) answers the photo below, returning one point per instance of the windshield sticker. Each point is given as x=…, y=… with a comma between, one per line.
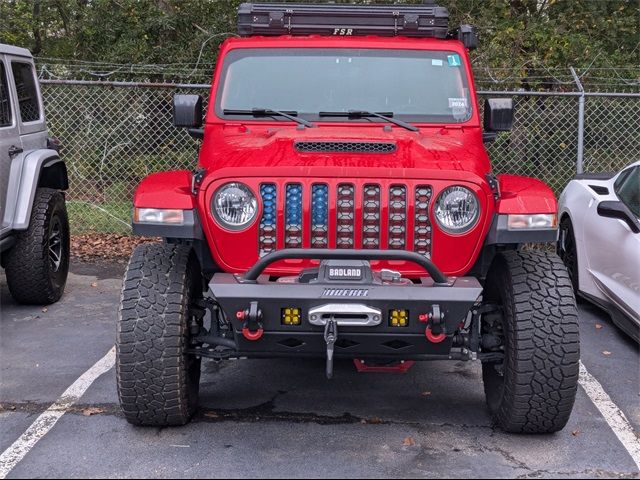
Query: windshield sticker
x=458, y=103
x=437, y=62
x=454, y=60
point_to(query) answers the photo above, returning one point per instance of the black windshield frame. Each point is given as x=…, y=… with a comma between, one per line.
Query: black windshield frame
x=432, y=55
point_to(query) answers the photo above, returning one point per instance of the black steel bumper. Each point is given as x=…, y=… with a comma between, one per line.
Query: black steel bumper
x=437, y=308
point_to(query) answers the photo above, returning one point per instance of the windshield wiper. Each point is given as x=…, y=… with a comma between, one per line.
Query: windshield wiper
x=387, y=116
x=266, y=112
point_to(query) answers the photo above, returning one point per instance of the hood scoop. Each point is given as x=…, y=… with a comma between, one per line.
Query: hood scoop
x=345, y=147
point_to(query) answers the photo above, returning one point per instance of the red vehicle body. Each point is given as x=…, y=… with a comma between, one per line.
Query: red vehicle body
x=442, y=154
x=380, y=236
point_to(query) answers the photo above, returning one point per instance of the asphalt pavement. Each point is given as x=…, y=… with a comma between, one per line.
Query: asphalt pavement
x=282, y=418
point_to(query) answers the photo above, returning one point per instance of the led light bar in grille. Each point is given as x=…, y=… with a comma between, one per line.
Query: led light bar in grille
x=397, y=217
x=422, y=223
x=267, y=229
x=371, y=216
x=345, y=208
x=293, y=216
x=319, y=215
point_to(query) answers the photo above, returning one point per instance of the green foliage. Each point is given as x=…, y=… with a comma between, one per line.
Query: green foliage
x=531, y=33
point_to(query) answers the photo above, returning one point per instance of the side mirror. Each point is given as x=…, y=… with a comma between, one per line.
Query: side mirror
x=187, y=111
x=617, y=209
x=498, y=114
x=468, y=36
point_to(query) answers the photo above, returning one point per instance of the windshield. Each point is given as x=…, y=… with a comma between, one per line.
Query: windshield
x=413, y=85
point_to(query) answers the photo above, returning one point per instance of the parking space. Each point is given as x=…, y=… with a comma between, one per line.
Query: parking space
x=275, y=418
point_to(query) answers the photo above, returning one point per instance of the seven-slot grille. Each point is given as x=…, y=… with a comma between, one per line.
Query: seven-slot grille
x=406, y=228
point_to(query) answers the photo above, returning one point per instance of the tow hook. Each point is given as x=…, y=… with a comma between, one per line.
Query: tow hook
x=434, y=320
x=252, y=328
x=330, y=336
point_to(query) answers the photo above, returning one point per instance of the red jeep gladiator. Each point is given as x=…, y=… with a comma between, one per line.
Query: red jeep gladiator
x=344, y=207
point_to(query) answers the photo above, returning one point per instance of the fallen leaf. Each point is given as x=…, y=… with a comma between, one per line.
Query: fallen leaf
x=374, y=420
x=45, y=310
x=408, y=442
x=94, y=284
x=598, y=326
x=94, y=246
x=211, y=415
x=606, y=353
x=426, y=394
x=87, y=412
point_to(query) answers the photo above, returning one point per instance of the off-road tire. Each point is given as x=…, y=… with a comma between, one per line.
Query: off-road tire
x=32, y=276
x=157, y=380
x=537, y=390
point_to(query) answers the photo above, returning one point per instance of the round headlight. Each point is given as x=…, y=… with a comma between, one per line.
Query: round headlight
x=457, y=209
x=234, y=206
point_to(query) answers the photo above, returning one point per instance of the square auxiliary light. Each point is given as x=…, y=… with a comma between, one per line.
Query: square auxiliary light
x=398, y=318
x=291, y=316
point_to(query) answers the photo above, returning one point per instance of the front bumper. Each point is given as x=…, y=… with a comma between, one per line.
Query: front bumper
x=439, y=307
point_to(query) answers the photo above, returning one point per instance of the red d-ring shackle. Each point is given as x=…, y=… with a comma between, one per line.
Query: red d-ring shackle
x=433, y=338
x=253, y=336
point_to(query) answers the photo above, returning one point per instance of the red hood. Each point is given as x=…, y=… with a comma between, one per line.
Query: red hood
x=237, y=150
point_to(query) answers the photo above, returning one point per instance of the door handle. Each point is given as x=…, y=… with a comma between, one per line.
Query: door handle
x=13, y=151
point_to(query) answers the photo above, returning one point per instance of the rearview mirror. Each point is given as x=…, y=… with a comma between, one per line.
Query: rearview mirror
x=498, y=114
x=187, y=111
x=617, y=209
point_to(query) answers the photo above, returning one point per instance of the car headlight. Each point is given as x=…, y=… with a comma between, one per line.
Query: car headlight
x=234, y=206
x=457, y=209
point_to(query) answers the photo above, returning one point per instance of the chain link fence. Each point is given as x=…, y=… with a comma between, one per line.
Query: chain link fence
x=115, y=133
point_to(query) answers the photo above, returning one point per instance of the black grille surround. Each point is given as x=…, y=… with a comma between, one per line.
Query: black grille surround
x=345, y=147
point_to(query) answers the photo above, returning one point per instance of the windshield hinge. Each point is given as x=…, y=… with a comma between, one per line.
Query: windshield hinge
x=196, y=179
x=494, y=185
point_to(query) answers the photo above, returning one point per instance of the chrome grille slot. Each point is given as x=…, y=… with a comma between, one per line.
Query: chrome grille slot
x=421, y=221
x=397, y=217
x=268, y=221
x=371, y=216
x=345, y=208
x=319, y=215
x=293, y=216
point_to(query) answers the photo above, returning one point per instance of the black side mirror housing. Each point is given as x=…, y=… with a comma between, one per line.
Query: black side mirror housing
x=187, y=111
x=468, y=36
x=617, y=209
x=498, y=114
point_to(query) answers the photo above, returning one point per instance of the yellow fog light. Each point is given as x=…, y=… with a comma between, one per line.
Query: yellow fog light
x=399, y=318
x=291, y=316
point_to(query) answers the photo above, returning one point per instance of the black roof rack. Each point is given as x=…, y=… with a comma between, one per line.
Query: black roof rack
x=426, y=20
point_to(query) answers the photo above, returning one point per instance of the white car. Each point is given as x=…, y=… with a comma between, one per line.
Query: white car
x=600, y=242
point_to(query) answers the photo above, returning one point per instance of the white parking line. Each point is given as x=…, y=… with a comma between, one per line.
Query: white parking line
x=45, y=422
x=611, y=413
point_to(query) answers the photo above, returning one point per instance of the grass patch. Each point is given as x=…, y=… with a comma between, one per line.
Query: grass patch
x=110, y=217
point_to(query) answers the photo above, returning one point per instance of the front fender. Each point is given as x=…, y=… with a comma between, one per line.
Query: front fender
x=165, y=190
x=522, y=195
x=168, y=190
x=24, y=177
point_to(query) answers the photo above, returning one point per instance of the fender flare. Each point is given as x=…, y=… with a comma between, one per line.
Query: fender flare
x=24, y=179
